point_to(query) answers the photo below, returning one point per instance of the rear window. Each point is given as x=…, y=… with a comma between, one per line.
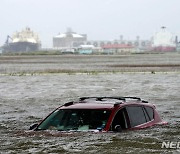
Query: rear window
x=150, y=112
x=136, y=115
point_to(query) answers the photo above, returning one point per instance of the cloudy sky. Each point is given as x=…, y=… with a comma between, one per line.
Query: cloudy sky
x=99, y=19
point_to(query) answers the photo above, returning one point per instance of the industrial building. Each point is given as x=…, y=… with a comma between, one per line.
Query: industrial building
x=117, y=48
x=66, y=42
x=137, y=43
x=69, y=39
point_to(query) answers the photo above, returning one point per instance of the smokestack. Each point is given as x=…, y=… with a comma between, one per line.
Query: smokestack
x=121, y=38
x=69, y=30
x=137, y=38
x=176, y=40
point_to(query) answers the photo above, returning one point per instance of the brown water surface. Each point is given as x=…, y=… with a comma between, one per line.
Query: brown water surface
x=27, y=98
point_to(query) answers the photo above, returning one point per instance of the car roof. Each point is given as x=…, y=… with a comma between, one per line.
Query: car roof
x=103, y=102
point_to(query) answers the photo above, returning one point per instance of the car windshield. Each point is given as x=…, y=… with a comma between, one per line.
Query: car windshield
x=76, y=119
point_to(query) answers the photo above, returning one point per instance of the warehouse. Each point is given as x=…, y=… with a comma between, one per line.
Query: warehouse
x=69, y=39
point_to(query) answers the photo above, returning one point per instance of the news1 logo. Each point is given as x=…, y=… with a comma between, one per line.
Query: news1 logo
x=170, y=145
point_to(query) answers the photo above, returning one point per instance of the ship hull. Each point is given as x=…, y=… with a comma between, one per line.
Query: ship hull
x=21, y=47
x=164, y=49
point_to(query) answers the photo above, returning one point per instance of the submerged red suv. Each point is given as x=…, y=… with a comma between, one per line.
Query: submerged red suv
x=101, y=114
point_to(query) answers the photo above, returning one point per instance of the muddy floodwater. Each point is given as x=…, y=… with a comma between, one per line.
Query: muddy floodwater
x=32, y=86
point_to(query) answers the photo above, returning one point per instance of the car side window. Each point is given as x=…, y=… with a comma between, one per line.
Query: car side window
x=121, y=118
x=136, y=115
x=150, y=112
x=146, y=115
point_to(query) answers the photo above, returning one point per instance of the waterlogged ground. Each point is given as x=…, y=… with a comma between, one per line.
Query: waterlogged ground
x=27, y=98
x=12, y=65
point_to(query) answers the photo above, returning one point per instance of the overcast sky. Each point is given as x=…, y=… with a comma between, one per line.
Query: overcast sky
x=99, y=19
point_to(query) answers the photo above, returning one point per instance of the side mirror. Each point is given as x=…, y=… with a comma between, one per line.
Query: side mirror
x=118, y=128
x=33, y=126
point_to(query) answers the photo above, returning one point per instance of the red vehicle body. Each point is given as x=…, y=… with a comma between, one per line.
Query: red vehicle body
x=103, y=114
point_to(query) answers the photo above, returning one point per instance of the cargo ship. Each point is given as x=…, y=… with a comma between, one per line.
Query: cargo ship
x=164, y=41
x=23, y=41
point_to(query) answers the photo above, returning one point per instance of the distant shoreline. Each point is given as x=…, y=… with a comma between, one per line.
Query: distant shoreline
x=89, y=64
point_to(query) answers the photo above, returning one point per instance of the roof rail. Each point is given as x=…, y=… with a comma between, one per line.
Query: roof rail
x=137, y=98
x=118, y=98
x=100, y=98
x=68, y=104
x=144, y=101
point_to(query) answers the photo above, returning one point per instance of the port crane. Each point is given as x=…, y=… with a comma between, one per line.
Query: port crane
x=7, y=40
